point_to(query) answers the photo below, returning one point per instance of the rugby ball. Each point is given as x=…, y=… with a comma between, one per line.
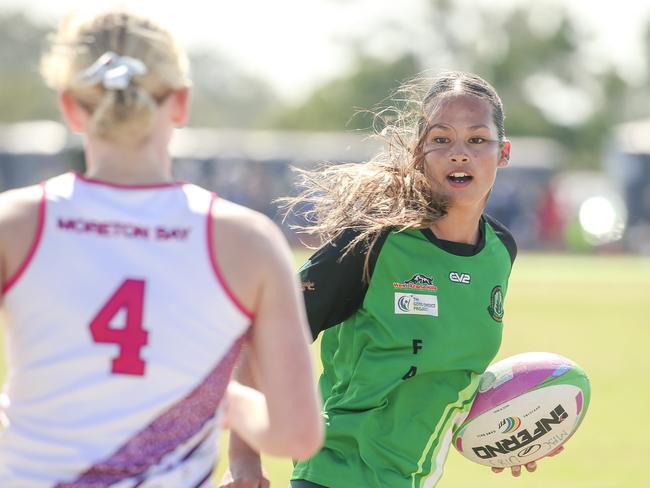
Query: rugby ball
x=526, y=406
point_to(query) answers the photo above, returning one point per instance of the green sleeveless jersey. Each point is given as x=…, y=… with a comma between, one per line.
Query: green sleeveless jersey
x=402, y=354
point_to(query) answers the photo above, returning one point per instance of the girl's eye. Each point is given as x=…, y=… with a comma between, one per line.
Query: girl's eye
x=440, y=140
x=476, y=140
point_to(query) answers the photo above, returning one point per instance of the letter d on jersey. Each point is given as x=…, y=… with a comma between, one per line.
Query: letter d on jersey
x=416, y=304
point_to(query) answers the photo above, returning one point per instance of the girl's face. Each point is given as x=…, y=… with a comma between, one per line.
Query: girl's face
x=462, y=151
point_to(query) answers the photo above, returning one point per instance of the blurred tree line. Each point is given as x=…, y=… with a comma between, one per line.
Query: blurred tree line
x=532, y=53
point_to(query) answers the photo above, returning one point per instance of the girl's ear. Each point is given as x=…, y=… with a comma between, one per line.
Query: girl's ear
x=504, y=154
x=74, y=114
x=180, y=106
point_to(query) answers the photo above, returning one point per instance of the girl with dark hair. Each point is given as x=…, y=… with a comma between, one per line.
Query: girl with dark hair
x=408, y=291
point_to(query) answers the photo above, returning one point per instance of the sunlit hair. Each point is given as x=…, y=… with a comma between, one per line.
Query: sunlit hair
x=121, y=115
x=390, y=191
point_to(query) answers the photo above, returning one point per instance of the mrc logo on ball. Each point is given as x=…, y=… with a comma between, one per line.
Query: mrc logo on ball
x=509, y=424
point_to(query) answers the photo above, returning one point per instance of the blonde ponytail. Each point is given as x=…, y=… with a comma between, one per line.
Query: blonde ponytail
x=124, y=116
x=121, y=112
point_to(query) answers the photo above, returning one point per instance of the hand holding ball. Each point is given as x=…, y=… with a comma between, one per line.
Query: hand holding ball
x=527, y=406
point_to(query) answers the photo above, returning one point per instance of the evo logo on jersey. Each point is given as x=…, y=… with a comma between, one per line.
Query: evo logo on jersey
x=460, y=278
x=416, y=304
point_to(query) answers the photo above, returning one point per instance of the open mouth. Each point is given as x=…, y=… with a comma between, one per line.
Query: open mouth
x=459, y=177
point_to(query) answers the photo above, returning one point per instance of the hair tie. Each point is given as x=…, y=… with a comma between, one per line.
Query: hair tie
x=114, y=72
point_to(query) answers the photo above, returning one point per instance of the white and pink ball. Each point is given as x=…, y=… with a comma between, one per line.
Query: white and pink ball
x=526, y=407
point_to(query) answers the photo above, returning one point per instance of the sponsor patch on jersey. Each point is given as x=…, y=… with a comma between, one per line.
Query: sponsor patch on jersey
x=496, y=304
x=417, y=282
x=416, y=304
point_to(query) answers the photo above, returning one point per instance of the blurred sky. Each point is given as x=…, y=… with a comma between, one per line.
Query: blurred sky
x=295, y=44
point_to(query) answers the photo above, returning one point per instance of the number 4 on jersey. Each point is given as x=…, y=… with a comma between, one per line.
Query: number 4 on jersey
x=130, y=337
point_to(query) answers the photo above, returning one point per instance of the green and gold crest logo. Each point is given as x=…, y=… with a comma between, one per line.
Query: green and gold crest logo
x=496, y=304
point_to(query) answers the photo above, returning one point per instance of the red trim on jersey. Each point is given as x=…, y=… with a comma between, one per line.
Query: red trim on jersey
x=123, y=186
x=164, y=434
x=215, y=265
x=37, y=238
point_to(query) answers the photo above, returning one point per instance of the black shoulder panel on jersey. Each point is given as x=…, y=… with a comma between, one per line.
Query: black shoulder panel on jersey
x=332, y=284
x=505, y=235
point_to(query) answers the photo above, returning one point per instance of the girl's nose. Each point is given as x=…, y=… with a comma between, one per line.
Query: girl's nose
x=459, y=158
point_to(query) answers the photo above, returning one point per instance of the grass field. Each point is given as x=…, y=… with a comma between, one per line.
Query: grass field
x=596, y=311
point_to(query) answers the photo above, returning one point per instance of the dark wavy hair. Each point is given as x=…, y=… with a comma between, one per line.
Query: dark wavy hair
x=391, y=190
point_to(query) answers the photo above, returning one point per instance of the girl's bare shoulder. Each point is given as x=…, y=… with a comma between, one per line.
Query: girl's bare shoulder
x=250, y=250
x=19, y=211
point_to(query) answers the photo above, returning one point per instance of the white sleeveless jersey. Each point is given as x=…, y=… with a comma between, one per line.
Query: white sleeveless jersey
x=121, y=336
